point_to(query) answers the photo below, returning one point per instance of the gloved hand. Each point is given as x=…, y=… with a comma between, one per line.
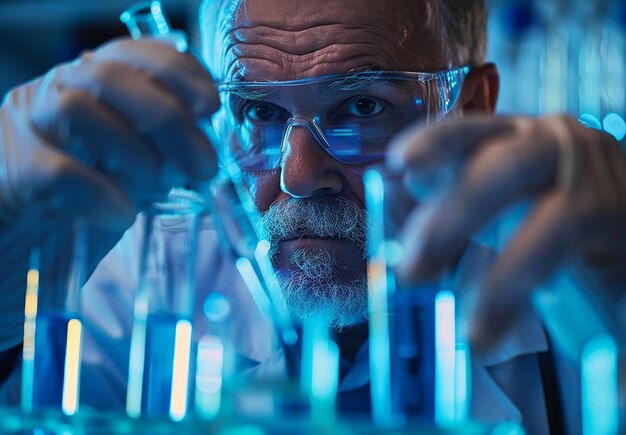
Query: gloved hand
x=97, y=138
x=575, y=179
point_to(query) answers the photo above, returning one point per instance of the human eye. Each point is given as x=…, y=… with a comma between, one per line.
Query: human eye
x=363, y=106
x=260, y=111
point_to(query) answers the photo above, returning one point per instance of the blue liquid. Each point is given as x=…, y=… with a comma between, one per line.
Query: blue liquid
x=49, y=363
x=412, y=341
x=159, y=364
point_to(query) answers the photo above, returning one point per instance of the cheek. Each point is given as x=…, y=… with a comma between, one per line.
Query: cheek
x=264, y=188
x=354, y=180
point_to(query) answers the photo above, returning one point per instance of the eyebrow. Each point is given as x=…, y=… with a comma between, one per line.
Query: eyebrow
x=248, y=93
x=356, y=81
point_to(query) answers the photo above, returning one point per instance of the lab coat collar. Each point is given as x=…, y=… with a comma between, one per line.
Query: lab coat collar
x=490, y=404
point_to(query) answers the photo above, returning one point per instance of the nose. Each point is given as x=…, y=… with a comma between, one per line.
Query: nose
x=307, y=170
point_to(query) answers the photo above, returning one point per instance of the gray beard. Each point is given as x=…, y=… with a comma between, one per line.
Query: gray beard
x=314, y=290
x=313, y=286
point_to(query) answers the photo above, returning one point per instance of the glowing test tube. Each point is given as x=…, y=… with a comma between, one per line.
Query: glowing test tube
x=215, y=357
x=599, y=368
x=320, y=369
x=209, y=376
x=418, y=368
x=161, y=350
x=53, y=329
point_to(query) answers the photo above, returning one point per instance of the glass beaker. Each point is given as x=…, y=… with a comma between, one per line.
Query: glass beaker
x=161, y=348
x=52, y=325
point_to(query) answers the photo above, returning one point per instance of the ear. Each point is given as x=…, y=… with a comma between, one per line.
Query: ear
x=480, y=90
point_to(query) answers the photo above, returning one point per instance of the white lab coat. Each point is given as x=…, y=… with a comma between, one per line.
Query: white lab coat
x=506, y=384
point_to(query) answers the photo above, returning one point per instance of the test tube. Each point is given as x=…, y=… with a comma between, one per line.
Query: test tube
x=161, y=356
x=215, y=357
x=418, y=368
x=320, y=370
x=53, y=328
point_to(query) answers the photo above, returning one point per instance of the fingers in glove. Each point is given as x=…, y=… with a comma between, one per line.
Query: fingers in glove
x=182, y=73
x=95, y=135
x=538, y=247
x=419, y=148
x=498, y=175
x=155, y=114
x=72, y=189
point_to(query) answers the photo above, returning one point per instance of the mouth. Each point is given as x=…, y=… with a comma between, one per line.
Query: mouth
x=313, y=238
x=348, y=259
x=308, y=236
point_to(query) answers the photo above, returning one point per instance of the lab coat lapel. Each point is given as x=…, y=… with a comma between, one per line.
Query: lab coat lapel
x=490, y=404
x=525, y=336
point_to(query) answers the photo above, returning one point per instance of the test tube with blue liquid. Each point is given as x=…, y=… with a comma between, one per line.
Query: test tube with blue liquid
x=418, y=371
x=319, y=370
x=159, y=382
x=215, y=358
x=53, y=328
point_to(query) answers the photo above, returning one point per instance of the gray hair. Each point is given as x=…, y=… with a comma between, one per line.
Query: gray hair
x=460, y=26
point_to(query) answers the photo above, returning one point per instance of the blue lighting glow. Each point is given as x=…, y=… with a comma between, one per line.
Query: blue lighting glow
x=380, y=363
x=589, y=120
x=210, y=362
x=445, y=355
x=253, y=284
x=615, y=125
x=216, y=307
x=508, y=428
x=462, y=382
x=320, y=367
x=599, y=386
x=325, y=372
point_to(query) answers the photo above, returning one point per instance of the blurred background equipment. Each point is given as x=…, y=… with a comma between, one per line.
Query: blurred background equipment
x=562, y=56
x=35, y=35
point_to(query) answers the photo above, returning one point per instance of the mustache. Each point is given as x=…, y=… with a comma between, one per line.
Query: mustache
x=336, y=218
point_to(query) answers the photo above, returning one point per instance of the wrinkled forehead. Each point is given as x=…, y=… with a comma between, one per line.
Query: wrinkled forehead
x=294, y=39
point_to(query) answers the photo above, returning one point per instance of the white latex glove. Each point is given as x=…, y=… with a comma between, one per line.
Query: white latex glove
x=574, y=177
x=97, y=138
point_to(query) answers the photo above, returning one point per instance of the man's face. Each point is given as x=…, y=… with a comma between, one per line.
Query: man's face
x=312, y=204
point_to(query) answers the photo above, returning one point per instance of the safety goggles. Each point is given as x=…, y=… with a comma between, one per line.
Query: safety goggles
x=351, y=116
